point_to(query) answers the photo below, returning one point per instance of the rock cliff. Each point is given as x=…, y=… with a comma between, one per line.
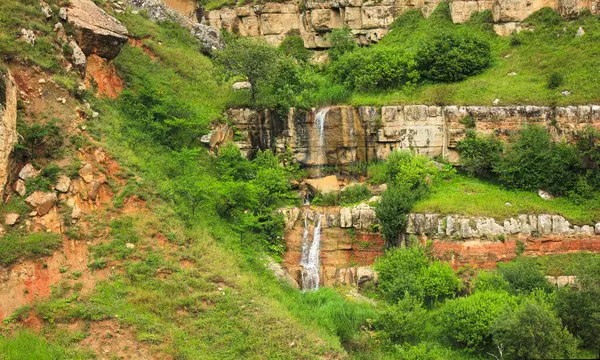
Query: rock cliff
x=369, y=20
x=343, y=135
x=8, y=124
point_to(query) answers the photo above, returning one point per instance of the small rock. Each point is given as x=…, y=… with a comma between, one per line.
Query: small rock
x=512, y=73
x=61, y=100
x=33, y=213
x=241, y=85
x=11, y=218
x=63, y=183
x=62, y=13
x=566, y=93
x=58, y=27
x=580, y=32
x=28, y=172
x=508, y=204
x=130, y=246
x=95, y=115
x=135, y=12
x=597, y=229
x=99, y=156
x=78, y=57
x=496, y=102
x=46, y=10
x=76, y=213
x=19, y=187
x=87, y=173
x=28, y=36
x=94, y=188
x=119, y=11
x=41, y=81
x=544, y=195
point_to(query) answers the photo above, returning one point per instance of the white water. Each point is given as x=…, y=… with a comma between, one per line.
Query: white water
x=320, y=129
x=311, y=260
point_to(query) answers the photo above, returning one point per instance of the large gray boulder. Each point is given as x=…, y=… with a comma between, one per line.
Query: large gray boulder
x=95, y=31
x=209, y=37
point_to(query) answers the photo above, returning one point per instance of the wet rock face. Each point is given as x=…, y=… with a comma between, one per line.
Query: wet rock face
x=369, y=20
x=344, y=135
x=95, y=31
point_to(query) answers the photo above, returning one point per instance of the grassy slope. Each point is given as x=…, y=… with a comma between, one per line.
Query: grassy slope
x=541, y=52
x=470, y=196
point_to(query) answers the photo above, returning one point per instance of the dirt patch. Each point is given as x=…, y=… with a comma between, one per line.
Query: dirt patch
x=104, y=74
x=109, y=339
x=139, y=43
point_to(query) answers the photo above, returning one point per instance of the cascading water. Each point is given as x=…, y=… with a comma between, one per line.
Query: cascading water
x=311, y=261
x=320, y=129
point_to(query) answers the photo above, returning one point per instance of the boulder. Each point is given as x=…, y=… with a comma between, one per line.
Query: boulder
x=78, y=57
x=323, y=185
x=62, y=184
x=363, y=217
x=87, y=173
x=46, y=10
x=28, y=36
x=42, y=202
x=11, y=218
x=241, y=85
x=365, y=275
x=62, y=13
x=76, y=212
x=94, y=188
x=95, y=31
x=544, y=195
x=280, y=272
x=19, y=187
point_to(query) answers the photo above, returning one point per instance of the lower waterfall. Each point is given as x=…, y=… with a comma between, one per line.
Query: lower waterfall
x=310, y=260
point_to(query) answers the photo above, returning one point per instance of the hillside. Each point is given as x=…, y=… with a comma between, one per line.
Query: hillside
x=164, y=179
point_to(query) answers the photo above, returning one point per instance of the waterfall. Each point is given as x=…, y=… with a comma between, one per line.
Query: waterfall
x=311, y=258
x=320, y=129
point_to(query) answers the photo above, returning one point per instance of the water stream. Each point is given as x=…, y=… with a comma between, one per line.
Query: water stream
x=320, y=129
x=310, y=260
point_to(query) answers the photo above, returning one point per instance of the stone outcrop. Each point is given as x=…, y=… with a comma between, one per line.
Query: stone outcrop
x=42, y=202
x=209, y=36
x=95, y=31
x=8, y=124
x=457, y=227
x=348, y=244
x=344, y=135
x=369, y=20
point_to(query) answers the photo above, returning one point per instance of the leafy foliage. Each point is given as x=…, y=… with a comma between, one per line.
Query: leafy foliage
x=342, y=41
x=479, y=155
x=523, y=275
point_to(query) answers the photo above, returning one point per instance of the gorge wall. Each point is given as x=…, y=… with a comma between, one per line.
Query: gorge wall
x=350, y=240
x=344, y=135
x=369, y=20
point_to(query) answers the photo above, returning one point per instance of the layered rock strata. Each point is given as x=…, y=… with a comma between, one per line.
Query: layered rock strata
x=369, y=20
x=8, y=124
x=344, y=135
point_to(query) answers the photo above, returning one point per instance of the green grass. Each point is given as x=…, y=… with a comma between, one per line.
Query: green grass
x=26, y=345
x=15, y=246
x=473, y=197
x=541, y=52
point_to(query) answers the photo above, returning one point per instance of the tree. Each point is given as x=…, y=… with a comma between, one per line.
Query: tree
x=479, y=154
x=342, y=41
x=293, y=46
x=251, y=59
x=392, y=212
x=403, y=322
x=523, y=275
x=533, y=331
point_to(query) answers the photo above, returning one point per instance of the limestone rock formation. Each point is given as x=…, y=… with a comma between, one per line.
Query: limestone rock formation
x=78, y=57
x=369, y=20
x=95, y=31
x=209, y=36
x=344, y=135
x=323, y=185
x=8, y=124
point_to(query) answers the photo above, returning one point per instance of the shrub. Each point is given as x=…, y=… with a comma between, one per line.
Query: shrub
x=490, y=281
x=328, y=199
x=408, y=271
x=293, y=46
x=40, y=139
x=555, y=80
x=467, y=321
x=342, y=41
x=392, y=211
x=533, y=331
x=376, y=68
x=452, y=57
x=523, y=275
x=402, y=322
x=479, y=155
x=354, y=194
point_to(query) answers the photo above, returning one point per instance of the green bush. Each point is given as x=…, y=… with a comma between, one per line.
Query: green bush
x=403, y=322
x=341, y=42
x=293, y=46
x=40, y=139
x=467, y=321
x=408, y=271
x=533, y=331
x=555, y=80
x=405, y=169
x=479, y=155
x=354, y=194
x=490, y=281
x=452, y=57
x=376, y=68
x=392, y=211
x=523, y=275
